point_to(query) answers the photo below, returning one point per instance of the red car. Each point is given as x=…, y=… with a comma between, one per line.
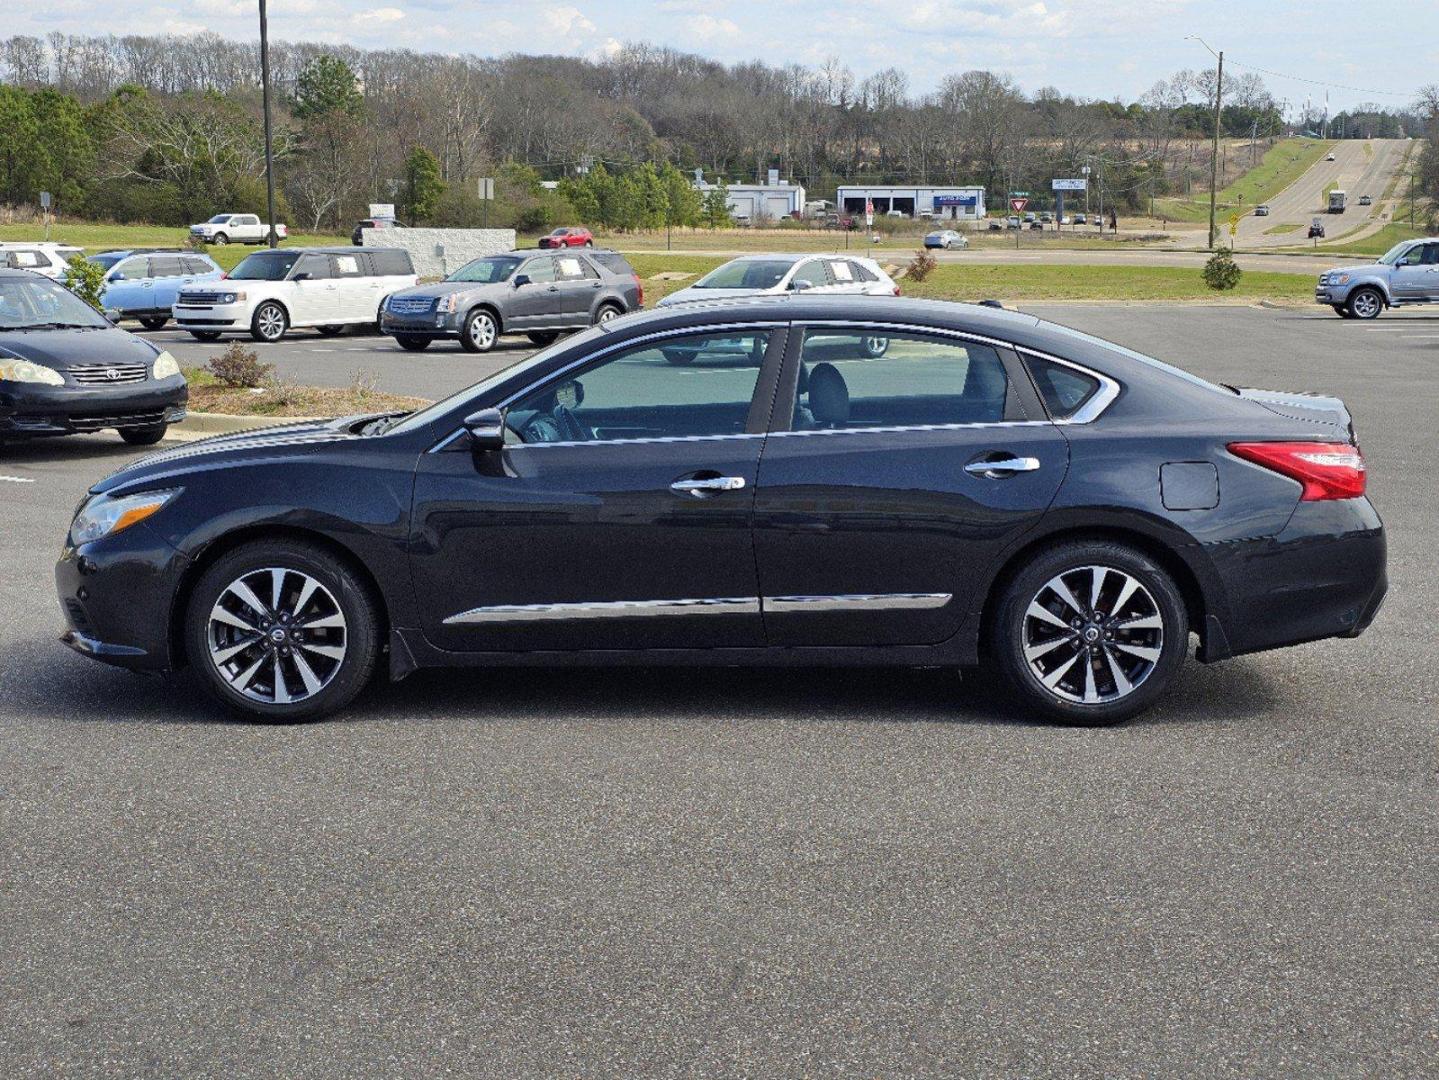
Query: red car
x=568, y=238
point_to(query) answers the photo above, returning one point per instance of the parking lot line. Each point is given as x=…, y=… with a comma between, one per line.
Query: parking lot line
x=16, y=479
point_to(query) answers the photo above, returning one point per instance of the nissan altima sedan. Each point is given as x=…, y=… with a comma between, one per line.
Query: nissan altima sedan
x=993, y=490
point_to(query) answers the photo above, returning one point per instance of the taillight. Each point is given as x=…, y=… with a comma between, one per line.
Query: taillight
x=1327, y=470
x=640, y=285
x=896, y=290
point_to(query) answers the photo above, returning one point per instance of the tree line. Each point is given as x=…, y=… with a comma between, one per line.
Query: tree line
x=167, y=129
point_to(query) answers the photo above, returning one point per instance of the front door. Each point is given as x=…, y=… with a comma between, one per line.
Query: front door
x=620, y=517
x=1416, y=277
x=313, y=296
x=536, y=301
x=131, y=288
x=903, y=478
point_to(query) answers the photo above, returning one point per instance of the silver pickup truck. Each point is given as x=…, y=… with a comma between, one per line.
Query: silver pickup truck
x=1408, y=273
x=235, y=229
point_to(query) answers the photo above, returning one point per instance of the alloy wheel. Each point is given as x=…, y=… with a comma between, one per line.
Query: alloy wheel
x=271, y=322
x=607, y=314
x=482, y=331
x=277, y=636
x=1367, y=303
x=1092, y=635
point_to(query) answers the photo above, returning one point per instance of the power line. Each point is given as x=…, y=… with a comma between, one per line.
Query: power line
x=1320, y=82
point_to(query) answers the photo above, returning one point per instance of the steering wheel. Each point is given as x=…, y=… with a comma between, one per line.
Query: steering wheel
x=557, y=425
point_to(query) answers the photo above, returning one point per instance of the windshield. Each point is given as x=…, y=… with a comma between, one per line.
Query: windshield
x=560, y=232
x=429, y=413
x=487, y=271
x=265, y=266
x=219, y=219
x=746, y=274
x=108, y=259
x=1394, y=254
x=28, y=302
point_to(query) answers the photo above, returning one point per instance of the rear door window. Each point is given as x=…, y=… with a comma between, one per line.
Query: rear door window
x=573, y=268
x=166, y=266
x=346, y=266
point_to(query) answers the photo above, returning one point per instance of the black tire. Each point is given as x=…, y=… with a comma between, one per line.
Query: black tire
x=205, y=335
x=144, y=436
x=679, y=357
x=331, y=329
x=606, y=312
x=480, y=331
x=154, y=322
x=543, y=337
x=412, y=342
x=269, y=322
x=221, y=239
x=589, y=243
x=1341, y=311
x=872, y=346
x=1365, y=303
x=358, y=639
x=1069, y=562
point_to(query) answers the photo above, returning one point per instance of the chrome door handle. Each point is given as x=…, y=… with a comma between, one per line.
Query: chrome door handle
x=1002, y=466
x=708, y=484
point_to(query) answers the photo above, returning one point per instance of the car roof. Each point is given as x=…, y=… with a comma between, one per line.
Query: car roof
x=17, y=272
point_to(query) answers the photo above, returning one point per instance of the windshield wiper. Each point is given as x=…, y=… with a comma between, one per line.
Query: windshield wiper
x=52, y=326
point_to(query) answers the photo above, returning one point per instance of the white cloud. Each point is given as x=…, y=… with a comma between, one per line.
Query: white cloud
x=706, y=27
x=380, y=15
x=568, y=20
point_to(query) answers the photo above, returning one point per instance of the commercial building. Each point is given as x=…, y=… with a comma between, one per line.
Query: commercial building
x=761, y=202
x=953, y=203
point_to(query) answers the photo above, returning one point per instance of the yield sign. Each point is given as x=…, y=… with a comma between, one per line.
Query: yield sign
x=1018, y=205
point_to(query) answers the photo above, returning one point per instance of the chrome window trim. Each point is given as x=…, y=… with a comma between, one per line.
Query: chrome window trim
x=788, y=605
x=1093, y=406
x=912, y=427
x=513, y=613
x=636, y=442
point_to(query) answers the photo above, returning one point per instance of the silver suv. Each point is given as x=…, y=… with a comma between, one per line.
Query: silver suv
x=1408, y=273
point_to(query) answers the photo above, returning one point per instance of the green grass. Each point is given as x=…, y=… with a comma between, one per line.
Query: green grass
x=1282, y=164
x=1284, y=227
x=1118, y=283
x=1380, y=242
x=95, y=238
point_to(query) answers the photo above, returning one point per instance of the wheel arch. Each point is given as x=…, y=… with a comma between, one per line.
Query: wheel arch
x=289, y=319
x=223, y=545
x=487, y=305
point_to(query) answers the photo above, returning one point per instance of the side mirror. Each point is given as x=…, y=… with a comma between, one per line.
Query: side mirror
x=117, y=276
x=521, y=279
x=801, y=284
x=487, y=430
x=303, y=275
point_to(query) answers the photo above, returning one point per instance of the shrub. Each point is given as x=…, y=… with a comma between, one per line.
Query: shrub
x=921, y=266
x=239, y=367
x=1221, y=272
x=86, y=280
x=282, y=392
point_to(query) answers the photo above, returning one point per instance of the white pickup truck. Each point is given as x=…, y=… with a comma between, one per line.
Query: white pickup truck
x=235, y=229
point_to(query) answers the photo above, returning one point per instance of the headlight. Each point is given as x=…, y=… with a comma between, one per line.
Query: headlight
x=165, y=366
x=102, y=515
x=231, y=297
x=25, y=371
x=448, y=303
x=1342, y=279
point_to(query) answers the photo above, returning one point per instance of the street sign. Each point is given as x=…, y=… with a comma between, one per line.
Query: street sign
x=485, y=187
x=1018, y=205
x=383, y=211
x=1234, y=225
x=44, y=200
x=1077, y=184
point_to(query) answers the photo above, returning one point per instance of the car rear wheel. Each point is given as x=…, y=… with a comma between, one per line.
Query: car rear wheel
x=205, y=335
x=543, y=337
x=282, y=631
x=679, y=357
x=144, y=436
x=606, y=313
x=872, y=347
x=1089, y=632
x=412, y=342
x=1366, y=303
x=154, y=322
x=331, y=329
x=269, y=322
x=480, y=332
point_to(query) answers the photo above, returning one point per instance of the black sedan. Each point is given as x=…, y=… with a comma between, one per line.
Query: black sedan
x=64, y=368
x=990, y=489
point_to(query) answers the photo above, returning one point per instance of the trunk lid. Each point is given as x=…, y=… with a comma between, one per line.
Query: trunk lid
x=1313, y=408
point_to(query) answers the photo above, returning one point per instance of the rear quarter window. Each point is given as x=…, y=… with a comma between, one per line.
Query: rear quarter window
x=614, y=262
x=392, y=262
x=1062, y=389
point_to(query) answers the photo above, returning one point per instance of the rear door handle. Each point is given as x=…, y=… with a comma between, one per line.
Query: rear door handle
x=707, y=485
x=1001, y=466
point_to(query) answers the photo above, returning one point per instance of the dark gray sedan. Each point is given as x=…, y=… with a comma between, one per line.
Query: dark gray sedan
x=539, y=293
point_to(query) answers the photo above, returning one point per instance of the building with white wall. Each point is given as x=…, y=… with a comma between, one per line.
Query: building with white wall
x=760, y=202
x=950, y=203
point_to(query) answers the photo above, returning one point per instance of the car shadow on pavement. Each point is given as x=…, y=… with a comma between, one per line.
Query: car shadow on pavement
x=106, y=450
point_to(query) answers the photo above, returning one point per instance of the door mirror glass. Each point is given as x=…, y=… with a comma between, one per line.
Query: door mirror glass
x=303, y=275
x=117, y=276
x=487, y=430
x=521, y=279
x=801, y=284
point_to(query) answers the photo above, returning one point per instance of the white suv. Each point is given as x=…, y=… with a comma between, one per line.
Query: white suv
x=235, y=229
x=42, y=257
x=272, y=291
x=761, y=275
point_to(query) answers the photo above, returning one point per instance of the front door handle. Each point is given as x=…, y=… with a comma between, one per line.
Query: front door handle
x=700, y=486
x=995, y=467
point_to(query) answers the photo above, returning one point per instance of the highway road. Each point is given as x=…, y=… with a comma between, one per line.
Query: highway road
x=1360, y=167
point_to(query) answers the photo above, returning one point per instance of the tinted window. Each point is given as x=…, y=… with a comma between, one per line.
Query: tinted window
x=265, y=266
x=1062, y=389
x=613, y=261
x=317, y=266
x=862, y=272
x=196, y=265
x=816, y=272
x=486, y=271
x=106, y=260
x=841, y=272
x=392, y=262
x=137, y=266
x=166, y=266
x=877, y=380
x=746, y=274
x=540, y=269
x=684, y=386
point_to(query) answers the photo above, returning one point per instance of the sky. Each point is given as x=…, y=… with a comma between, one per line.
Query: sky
x=1088, y=48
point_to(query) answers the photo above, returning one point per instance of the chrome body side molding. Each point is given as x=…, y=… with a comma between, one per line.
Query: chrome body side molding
x=719, y=605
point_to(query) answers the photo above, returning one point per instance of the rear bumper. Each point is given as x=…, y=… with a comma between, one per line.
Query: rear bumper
x=27, y=409
x=1324, y=575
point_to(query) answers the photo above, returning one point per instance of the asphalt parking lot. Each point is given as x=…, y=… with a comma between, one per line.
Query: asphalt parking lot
x=739, y=873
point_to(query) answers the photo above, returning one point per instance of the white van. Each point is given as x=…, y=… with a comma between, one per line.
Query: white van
x=276, y=290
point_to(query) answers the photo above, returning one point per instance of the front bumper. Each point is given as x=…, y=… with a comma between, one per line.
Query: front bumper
x=210, y=316
x=423, y=324
x=1324, y=575
x=32, y=409
x=117, y=596
x=1331, y=294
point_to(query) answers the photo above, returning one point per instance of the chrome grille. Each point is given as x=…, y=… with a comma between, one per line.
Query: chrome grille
x=108, y=374
x=198, y=298
x=411, y=305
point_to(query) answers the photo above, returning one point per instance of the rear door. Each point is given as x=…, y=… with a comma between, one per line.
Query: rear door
x=357, y=289
x=900, y=481
x=579, y=284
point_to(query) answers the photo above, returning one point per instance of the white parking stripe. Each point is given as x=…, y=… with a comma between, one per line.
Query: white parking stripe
x=17, y=479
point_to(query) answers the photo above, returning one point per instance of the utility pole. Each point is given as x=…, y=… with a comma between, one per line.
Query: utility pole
x=269, y=144
x=1214, y=156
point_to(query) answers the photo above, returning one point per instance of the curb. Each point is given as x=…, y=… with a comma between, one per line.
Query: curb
x=202, y=425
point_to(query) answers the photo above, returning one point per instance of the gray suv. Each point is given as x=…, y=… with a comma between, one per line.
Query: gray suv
x=539, y=293
x=1408, y=273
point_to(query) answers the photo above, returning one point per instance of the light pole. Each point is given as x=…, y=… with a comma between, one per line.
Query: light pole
x=269, y=144
x=1214, y=150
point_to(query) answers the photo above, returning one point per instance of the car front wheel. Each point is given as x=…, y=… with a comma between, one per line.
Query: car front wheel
x=1366, y=303
x=1089, y=632
x=144, y=436
x=154, y=322
x=543, y=337
x=412, y=342
x=269, y=322
x=281, y=630
x=480, y=332
x=205, y=335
